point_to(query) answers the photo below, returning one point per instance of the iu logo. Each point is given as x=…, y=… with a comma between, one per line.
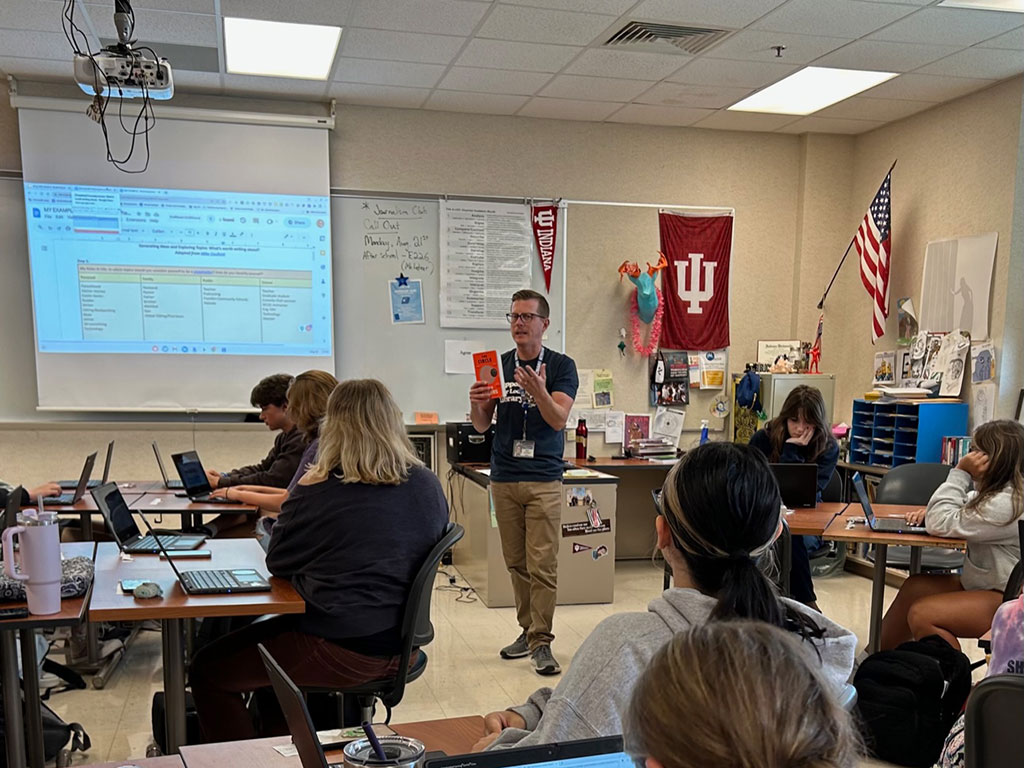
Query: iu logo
x=690, y=290
x=544, y=218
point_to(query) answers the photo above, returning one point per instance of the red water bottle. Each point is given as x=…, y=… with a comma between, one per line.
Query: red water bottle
x=581, y=439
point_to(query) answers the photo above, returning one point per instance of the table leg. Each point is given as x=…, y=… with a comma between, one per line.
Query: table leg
x=187, y=521
x=787, y=561
x=174, y=683
x=33, y=713
x=13, y=728
x=915, y=560
x=877, y=597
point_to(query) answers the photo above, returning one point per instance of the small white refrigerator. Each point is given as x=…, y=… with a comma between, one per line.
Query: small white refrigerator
x=775, y=388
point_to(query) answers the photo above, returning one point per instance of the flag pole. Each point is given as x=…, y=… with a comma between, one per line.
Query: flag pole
x=821, y=304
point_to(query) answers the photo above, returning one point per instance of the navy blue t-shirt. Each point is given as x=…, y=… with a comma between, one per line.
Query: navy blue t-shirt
x=549, y=443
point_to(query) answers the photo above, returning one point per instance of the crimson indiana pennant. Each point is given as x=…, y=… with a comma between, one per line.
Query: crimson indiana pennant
x=545, y=232
x=695, y=286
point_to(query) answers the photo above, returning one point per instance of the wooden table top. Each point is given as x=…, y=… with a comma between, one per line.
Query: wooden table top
x=838, y=530
x=813, y=521
x=72, y=609
x=164, y=761
x=610, y=464
x=110, y=604
x=86, y=504
x=167, y=501
x=453, y=736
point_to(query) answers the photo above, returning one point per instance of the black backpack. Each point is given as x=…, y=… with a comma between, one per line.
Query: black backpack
x=908, y=699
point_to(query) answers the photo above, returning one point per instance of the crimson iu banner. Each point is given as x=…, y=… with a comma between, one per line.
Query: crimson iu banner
x=695, y=285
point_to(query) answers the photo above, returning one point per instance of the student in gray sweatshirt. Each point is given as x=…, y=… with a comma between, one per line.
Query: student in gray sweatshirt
x=962, y=605
x=721, y=513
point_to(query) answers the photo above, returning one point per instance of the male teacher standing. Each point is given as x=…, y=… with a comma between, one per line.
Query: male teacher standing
x=526, y=470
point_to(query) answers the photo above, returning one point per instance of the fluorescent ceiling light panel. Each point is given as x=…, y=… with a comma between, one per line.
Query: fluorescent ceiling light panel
x=811, y=89
x=1014, y=6
x=277, y=49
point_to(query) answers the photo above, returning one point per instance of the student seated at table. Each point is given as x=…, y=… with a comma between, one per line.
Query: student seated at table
x=721, y=513
x=29, y=495
x=737, y=693
x=962, y=605
x=307, y=401
x=800, y=434
x=350, y=538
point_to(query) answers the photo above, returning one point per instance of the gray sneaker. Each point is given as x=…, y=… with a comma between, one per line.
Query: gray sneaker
x=544, y=662
x=517, y=650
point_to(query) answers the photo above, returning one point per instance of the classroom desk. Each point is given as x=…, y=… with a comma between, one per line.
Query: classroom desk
x=861, y=534
x=453, y=736
x=164, y=761
x=85, y=508
x=72, y=613
x=812, y=521
x=163, y=500
x=110, y=604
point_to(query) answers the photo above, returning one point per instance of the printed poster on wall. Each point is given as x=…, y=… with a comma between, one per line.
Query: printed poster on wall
x=486, y=254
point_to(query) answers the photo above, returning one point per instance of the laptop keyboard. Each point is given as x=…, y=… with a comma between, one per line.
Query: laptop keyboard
x=149, y=542
x=209, y=580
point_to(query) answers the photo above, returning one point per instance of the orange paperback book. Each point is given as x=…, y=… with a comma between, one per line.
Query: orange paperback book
x=488, y=370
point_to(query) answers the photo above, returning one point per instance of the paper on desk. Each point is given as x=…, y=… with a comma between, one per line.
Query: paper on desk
x=614, y=426
x=332, y=735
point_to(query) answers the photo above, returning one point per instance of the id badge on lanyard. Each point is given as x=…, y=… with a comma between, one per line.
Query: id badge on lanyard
x=524, y=449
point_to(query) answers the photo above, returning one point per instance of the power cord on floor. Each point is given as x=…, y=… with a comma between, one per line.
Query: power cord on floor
x=466, y=593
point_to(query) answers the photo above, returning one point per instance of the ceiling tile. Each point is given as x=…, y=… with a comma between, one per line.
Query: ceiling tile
x=161, y=26
x=442, y=17
x=604, y=62
x=493, y=80
x=730, y=14
x=38, y=15
x=386, y=72
x=884, y=57
x=978, y=62
x=829, y=125
x=180, y=6
x=861, y=108
x=482, y=103
x=362, y=43
x=45, y=68
x=608, y=7
x=196, y=82
x=926, y=87
x=705, y=96
x=35, y=45
x=567, y=109
x=725, y=120
x=501, y=54
x=842, y=18
x=280, y=87
x=751, y=74
x=333, y=12
x=902, y=2
x=648, y=114
x=757, y=46
x=949, y=26
x=1011, y=40
x=594, y=88
x=535, y=25
x=377, y=95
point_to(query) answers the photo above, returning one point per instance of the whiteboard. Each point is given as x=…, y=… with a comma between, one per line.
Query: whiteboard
x=375, y=238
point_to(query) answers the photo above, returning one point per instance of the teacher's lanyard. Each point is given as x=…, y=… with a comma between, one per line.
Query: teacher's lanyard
x=525, y=399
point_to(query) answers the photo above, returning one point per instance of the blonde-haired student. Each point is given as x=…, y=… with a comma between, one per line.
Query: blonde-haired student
x=980, y=501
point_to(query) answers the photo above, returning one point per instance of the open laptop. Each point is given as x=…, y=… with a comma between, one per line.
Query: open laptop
x=606, y=752
x=66, y=499
x=798, y=484
x=886, y=524
x=193, y=478
x=170, y=485
x=214, y=581
x=10, y=513
x=126, y=533
x=70, y=485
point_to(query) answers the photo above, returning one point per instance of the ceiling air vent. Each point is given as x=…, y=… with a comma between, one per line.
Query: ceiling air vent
x=692, y=40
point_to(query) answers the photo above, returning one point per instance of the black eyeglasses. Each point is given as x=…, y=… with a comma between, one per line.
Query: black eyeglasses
x=526, y=317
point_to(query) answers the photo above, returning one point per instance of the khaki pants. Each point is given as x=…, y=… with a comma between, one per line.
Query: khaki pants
x=528, y=515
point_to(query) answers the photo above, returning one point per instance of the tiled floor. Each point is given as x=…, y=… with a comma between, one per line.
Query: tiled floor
x=464, y=674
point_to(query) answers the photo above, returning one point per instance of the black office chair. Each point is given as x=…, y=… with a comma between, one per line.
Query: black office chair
x=1016, y=581
x=834, y=490
x=830, y=556
x=417, y=631
x=995, y=710
x=915, y=484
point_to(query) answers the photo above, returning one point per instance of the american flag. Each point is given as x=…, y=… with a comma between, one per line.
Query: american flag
x=874, y=245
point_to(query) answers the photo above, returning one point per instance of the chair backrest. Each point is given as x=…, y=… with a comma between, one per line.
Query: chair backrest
x=834, y=490
x=911, y=483
x=995, y=711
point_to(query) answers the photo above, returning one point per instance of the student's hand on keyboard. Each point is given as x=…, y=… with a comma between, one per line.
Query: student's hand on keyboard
x=46, y=490
x=916, y=517
x=220, y=493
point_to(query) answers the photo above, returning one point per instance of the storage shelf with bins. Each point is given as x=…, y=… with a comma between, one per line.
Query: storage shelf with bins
x=887, y=434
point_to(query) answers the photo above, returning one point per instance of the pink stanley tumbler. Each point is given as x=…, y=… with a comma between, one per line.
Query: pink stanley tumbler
x=39, y=546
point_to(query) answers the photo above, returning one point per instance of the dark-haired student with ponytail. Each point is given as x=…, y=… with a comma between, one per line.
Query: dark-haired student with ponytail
x=721, y=513
x=800, y=434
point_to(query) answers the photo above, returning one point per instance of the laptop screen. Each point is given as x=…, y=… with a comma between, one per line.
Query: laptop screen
x=862, y=495
x=191, y=471
x=115, y=509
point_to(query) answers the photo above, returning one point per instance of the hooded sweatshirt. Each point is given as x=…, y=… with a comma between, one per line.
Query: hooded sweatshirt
x=592, y=697
x=993, y=545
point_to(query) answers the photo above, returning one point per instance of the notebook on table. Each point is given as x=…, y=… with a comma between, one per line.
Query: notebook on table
x=798, y=484
x=126, y=533
x=70, y=485
x=883, y=524
x=171, y=485
x=214, y=581
x=66, y=499
x=193, y=478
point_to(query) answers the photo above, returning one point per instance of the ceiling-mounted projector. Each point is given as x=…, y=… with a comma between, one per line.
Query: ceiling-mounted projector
x=126, y=74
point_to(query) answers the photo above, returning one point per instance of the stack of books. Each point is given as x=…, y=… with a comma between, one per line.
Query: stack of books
x=653, y=448
x=955, y=448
